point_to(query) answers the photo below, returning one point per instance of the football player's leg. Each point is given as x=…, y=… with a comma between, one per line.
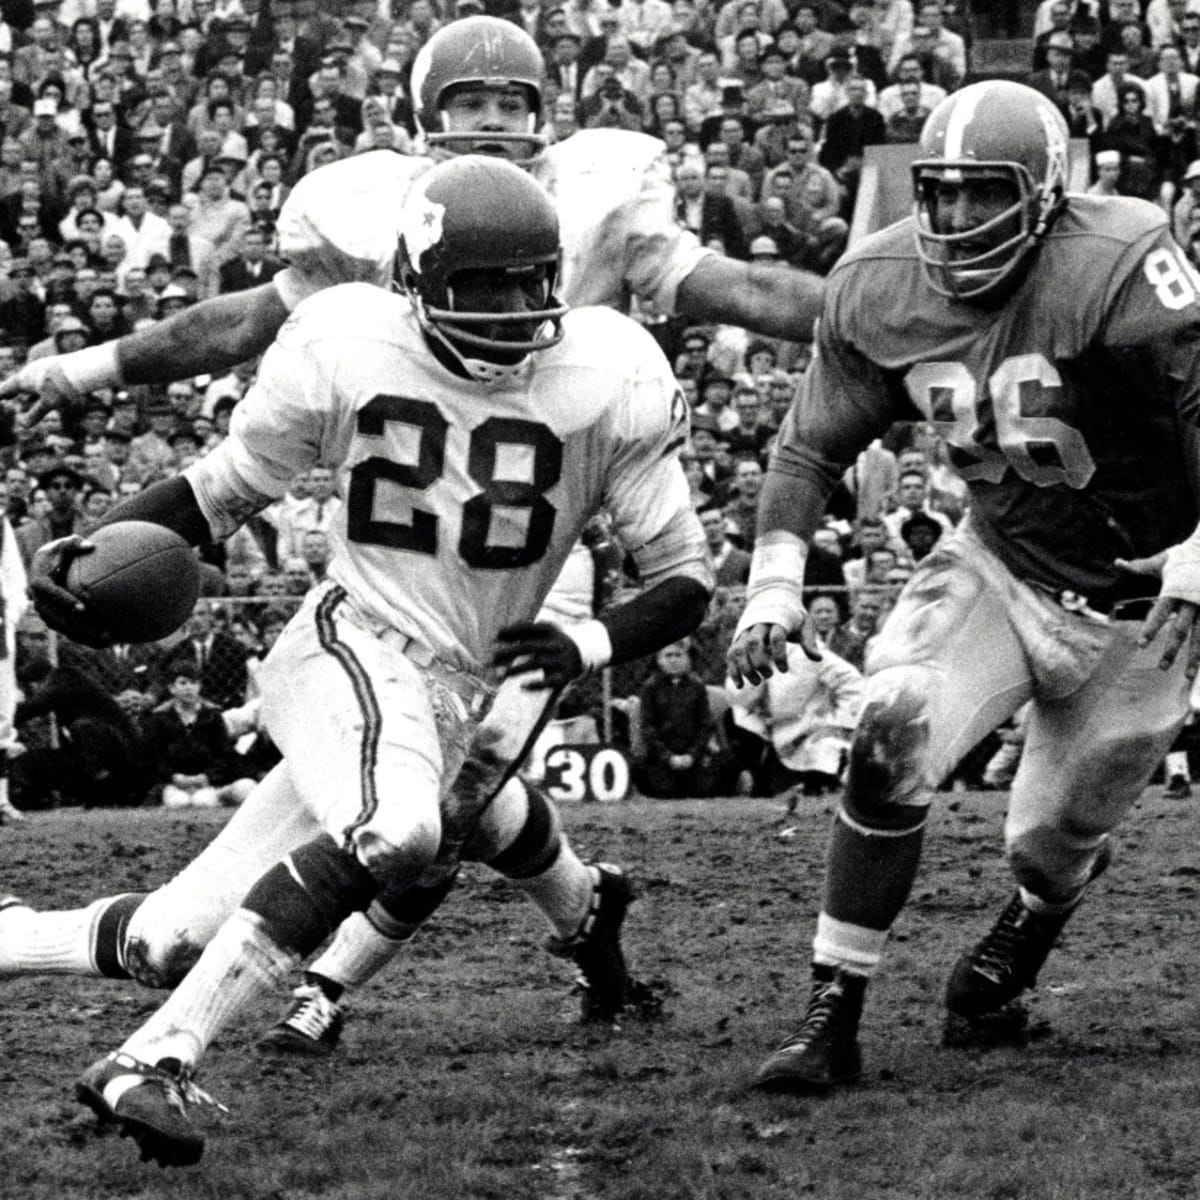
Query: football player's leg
x=354, y=720
x=530, y=842
x=1087, y=758
x=947, y=668
x=155, y=938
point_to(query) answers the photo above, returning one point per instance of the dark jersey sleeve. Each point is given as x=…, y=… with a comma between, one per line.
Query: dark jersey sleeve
x=844, y=402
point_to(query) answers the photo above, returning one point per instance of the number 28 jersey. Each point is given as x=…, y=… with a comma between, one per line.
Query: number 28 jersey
x=1070, y=409
x=463, y=499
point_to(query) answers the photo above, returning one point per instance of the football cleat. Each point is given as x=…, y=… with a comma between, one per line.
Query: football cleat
x=1006, y=961
x=10, y=814
x=150, y=1104
x=823, y=1051
x=312, y=1026
x=596, y=948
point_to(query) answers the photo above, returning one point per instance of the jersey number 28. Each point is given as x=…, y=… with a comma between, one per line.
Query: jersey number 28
x=1042, y=450
x=543, y=450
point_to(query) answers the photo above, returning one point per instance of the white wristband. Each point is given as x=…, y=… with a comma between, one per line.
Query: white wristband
x=592, y=640
x=92, y=368
x=775, y=593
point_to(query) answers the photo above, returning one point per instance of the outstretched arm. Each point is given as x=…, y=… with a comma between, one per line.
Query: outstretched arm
x=780, y=302
x=209, y=337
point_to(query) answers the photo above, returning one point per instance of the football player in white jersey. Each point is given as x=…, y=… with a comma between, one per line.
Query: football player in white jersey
x=616, y=204
x=476, y=428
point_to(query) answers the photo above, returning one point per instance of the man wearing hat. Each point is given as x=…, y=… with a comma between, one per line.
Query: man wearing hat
x=830, y=94
x=44, y=140
x=1059, y=73
x=764, y=249
x=62, y=485
x=22, y=313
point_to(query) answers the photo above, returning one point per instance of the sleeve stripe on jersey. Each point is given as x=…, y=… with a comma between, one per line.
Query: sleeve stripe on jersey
x=368, y=704
x=674, y=445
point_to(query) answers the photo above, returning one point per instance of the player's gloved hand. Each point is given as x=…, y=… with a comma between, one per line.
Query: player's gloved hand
x=1177, y=609
x=45, y=380
x=530, y=647
x=60, y=609
x=759, y=649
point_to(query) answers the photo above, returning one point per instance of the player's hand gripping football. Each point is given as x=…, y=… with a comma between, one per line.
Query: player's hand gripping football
x=759, y=650
x=43, y=379
x=61, y=609
x=540, y=650
x=1176, y=612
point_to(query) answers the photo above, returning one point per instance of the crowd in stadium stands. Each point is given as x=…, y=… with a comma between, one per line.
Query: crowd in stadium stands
x=145, y=152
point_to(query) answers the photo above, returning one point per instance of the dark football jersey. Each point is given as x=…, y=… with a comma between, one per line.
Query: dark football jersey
x=1067, y=409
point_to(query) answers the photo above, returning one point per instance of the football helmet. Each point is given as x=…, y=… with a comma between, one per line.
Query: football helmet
x=476, y=213
x=477, y=50
x=993, y=130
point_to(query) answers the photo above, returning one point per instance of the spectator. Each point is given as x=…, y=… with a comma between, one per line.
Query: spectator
x=216, y=215
x=798, y=724
x=829, y=94
x=144, y=233
x=100, y=761
x=920, y=533
x=676, y=723
x=1131, y=132
x=730, y=562
x=1185, y=217
x=851, y=639
x=150, y=452
x=1189, y=45
x=252, y=267
x=848, y=132
x=188, y=745
x=1108, y=174
x=316, y=510
x=825, y=614
x=62, y=486
x=708, y=213
x=1106, y=90
x=1171, y=92
x=742, y=510
x=906, y=123
x=216, y=656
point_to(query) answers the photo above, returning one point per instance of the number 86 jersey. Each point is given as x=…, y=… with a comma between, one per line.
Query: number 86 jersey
x=1069, y=408
x=463, y=499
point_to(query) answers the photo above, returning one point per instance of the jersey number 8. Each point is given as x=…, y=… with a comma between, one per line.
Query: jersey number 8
x=420, y=535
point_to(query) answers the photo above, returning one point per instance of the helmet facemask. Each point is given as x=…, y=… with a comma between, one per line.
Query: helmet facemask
x=497, y=142
x=967, y=276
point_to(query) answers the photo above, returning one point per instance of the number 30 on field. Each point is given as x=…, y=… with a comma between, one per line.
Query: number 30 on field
x=586, y=773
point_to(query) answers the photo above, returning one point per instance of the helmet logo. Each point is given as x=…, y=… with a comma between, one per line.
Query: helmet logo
x=421, y=228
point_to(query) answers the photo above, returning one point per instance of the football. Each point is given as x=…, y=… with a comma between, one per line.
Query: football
x=141, y=581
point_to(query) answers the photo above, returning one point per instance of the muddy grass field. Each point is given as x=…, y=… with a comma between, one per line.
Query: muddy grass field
x=463, y=1074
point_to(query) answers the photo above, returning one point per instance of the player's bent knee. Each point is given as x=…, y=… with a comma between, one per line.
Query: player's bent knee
x=521, y=835
x=156, y=950
x=303, y=899
x=887, y=783
x=1055, y=865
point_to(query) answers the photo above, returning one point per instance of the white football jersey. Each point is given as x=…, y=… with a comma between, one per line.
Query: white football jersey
x=463, y=499
x=612, y=189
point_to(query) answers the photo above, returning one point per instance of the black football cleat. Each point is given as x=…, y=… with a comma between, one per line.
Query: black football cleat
x=823, y=1052
x=311, y=1027
x=150, y=1105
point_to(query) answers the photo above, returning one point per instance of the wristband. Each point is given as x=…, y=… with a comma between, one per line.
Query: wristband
x=593, y=643
x=92, y=368
x=775, y=593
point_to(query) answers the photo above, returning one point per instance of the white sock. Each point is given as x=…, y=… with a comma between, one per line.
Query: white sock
x=49, y=943
x=853, y=948
x=564, y=892
x=240, y=964
x=359, y=949
x=1177, y=765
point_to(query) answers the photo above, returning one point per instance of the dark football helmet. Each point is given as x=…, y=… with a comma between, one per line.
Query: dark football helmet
x=477, y=50
x=992, y=130
x=475, y=213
